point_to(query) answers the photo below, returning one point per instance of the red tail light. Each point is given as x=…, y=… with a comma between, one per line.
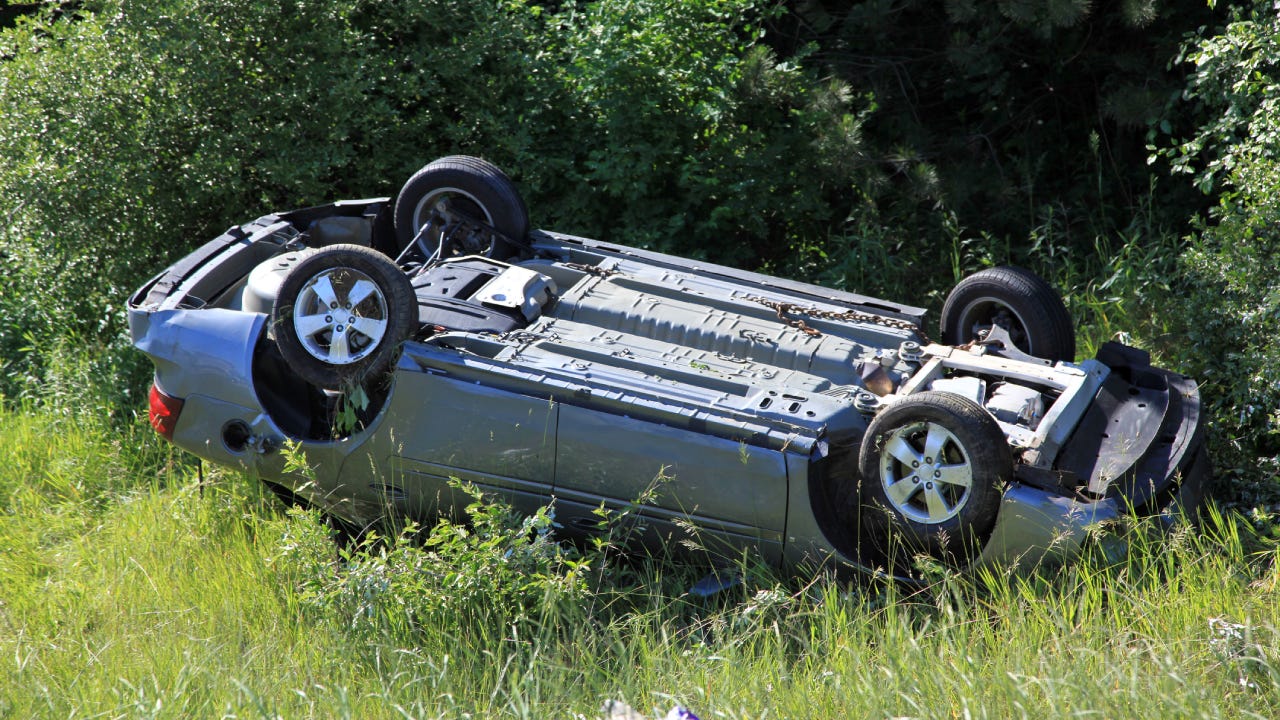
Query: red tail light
x=163, y=412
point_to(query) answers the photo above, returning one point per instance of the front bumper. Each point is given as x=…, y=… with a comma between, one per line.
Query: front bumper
x=1137, y=450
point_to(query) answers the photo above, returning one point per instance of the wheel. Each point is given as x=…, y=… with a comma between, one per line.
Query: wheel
x=1017, y=300
x=468, y=198
x=342, y=314
x=932, y=468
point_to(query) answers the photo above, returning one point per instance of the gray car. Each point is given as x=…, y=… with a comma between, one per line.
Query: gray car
x=404, y=343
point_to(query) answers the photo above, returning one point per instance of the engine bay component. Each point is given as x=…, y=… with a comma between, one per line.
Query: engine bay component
x=1016, y=405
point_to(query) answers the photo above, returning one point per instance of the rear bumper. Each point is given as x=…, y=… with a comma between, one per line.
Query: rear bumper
x=205, y=358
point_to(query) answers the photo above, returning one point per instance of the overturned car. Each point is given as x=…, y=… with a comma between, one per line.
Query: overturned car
x=402, y=344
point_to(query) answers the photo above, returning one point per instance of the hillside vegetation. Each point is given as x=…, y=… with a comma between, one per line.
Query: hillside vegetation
x=1130, y=152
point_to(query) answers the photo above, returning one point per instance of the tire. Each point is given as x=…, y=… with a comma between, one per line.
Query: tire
x=379, y=307
x=1017, y=300
x=460, y=186
x=947, y=513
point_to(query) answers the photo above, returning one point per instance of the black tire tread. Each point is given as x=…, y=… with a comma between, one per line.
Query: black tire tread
x=475, y=175
x=1034, y=299
x=957, y=539
x=402, y=315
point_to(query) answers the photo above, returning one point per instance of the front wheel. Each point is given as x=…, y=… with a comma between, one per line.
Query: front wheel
x=342, y=314
x=932, y=468
x=1016, y=300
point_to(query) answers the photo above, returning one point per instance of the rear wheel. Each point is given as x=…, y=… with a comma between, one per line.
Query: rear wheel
x=463, y=200
x=342, y=314
x=931, y=470
x=1017, y=300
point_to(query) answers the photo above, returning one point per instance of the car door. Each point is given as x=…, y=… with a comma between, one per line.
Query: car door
x=679, y=485
x=437, y=428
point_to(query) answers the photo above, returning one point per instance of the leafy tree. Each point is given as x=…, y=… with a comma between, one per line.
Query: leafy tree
x=1014, y=119
x=1228, y=333
x=133, y=131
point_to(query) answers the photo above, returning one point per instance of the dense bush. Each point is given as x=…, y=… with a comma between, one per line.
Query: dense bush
x=1228, y=318
x=1016, y=117
x=135, y=130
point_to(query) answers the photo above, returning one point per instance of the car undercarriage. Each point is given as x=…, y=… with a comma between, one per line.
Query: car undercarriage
x=807, y=425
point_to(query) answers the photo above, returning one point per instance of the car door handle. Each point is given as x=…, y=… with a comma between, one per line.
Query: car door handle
x=585, y=524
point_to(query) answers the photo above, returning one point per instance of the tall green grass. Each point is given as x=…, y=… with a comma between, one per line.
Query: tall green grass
x=128, y=589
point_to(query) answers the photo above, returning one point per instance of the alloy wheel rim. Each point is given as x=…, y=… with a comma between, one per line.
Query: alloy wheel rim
x=926, y=472
x=444, y=202
x=340, y=316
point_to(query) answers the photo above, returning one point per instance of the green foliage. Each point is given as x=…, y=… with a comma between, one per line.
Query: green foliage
x=183, y=599
x=884, y=147
x=480, y=576
x=1003, y=117
x=134, y=128
x=1232, y=93
x=699, y=140
x=134, y=131
x=1227, y=322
